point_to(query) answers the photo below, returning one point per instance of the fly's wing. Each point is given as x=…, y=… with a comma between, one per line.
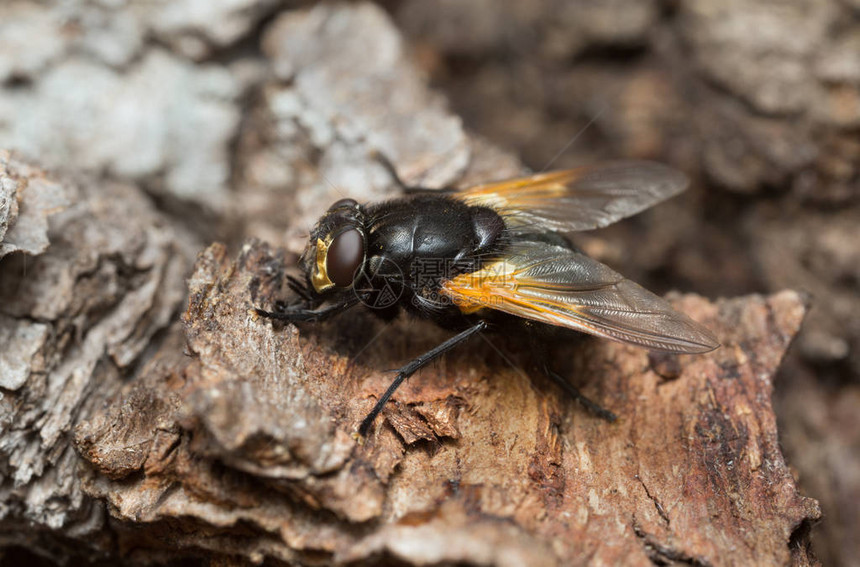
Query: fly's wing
x=562, y=287
x=578, y=199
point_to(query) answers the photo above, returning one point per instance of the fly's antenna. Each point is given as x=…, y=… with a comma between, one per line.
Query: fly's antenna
x=388, y=166
x=575, y=137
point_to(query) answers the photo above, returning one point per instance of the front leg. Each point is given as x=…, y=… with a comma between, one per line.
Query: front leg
x=314, y=315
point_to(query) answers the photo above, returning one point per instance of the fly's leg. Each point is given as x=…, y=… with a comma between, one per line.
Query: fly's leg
x=574, y=393
x=543, y=352
x=411, y=368
x=303, y=315
x=299, y=288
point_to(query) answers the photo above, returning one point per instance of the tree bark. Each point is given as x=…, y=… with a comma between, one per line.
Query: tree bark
x=149, y=419
x=473, y=462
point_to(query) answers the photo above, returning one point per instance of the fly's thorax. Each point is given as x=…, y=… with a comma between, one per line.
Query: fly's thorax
x=432, y=229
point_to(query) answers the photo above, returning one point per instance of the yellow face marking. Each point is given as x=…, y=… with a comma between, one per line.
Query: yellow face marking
x=320, y=279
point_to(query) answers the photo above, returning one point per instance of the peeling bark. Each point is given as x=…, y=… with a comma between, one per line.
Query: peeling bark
x=73, y=318
x=258, y=428
x=147, y=419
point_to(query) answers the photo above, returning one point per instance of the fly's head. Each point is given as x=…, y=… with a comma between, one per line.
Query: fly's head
x=337, y=248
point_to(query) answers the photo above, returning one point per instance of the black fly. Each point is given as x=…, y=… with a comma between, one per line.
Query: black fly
x=468, y=259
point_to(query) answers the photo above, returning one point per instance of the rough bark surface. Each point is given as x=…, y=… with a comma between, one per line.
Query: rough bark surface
x=473, y=463
x=74, y=319
x=760, y=102
x=129, y=433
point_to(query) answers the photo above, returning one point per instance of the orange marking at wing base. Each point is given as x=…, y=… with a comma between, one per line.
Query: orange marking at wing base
x=496, y=287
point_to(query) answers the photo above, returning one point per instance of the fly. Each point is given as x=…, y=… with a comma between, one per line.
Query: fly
x=471, y=259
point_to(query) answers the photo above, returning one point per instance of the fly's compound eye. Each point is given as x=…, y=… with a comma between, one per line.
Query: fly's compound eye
x=344, y=204
x=344, y=256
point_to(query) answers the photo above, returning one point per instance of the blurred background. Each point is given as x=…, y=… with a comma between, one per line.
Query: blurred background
x=234, y=126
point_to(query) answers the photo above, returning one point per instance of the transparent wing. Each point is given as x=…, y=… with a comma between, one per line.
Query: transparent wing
x=562, y=287
x=579, y=199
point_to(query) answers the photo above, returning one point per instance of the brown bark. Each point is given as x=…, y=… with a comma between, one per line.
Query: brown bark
x=129, y=433
x=73, y=320
x=760, y=102
x=236, y=438
x=473, y=462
